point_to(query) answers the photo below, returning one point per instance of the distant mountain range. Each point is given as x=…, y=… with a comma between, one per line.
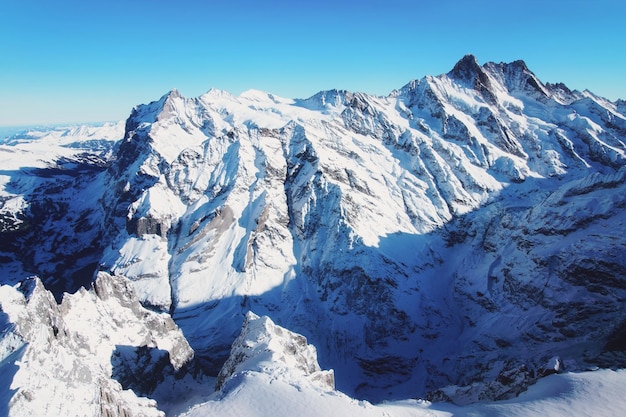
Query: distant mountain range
x=455, y=240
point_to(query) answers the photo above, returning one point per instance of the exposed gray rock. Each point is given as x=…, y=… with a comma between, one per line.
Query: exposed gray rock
x=70, y=364
x=461, y=231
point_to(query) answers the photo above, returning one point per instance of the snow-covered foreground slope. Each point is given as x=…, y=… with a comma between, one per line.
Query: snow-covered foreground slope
x=456, y=240
x=98, y=350
x=272, y=372
x=584, y=394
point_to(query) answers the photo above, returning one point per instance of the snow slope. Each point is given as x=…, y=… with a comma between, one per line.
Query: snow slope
x=566, y=395
x=454, y=240
x=47, y=196
x=257, y=385
x=380, y=227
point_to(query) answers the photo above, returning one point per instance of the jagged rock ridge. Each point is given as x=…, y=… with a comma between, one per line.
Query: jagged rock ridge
x=77, y=358
x=405, y=236
x=264, y=347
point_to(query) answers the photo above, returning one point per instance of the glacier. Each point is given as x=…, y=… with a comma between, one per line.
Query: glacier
x=457, y=240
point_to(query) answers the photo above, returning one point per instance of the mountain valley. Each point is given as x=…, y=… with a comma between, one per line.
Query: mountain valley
x=455, y=241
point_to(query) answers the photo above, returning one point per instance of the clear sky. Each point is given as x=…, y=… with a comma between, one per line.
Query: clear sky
x=87, y=61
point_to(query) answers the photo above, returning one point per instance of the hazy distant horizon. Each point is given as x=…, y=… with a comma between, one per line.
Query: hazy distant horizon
x=9, y=131
x=69, y=61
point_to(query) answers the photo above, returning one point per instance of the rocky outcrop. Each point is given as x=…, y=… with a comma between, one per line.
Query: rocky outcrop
x=419, y=240
x=76, y=358
x=264, y=347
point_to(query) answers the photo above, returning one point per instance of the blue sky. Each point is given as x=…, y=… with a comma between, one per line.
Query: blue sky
x=83, y=61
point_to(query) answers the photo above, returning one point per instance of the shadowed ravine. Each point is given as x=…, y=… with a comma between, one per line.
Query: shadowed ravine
x=455, y=240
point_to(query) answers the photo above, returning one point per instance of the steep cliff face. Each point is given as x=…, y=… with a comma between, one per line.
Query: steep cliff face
x=462, y=232
x=81, y=357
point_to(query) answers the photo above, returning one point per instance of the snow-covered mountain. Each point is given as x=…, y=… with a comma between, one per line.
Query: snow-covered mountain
x=455, y=240
x=82, y=356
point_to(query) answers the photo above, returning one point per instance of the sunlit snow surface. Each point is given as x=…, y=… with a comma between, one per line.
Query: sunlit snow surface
x=599, y=393
x=272, y=372
x=454, y=236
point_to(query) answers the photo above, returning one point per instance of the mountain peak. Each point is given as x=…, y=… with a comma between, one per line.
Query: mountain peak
x=518, y=77
x=466, y=68
x=326, y=99
x=174, y=93
x=264, y=347
x=520, y=65
x=255, y=95
x=124, y=345
x=469, y=207
x=168, y=102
